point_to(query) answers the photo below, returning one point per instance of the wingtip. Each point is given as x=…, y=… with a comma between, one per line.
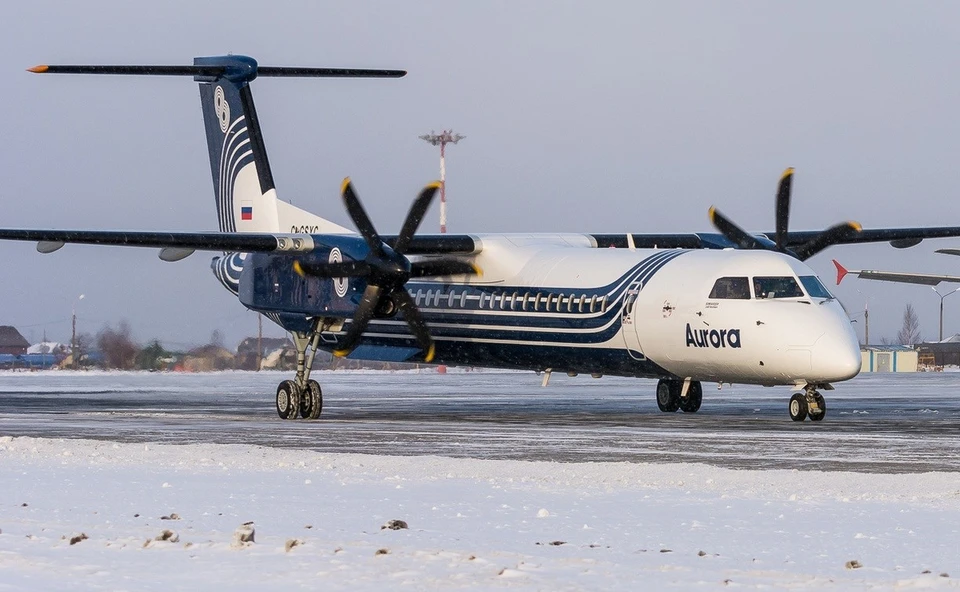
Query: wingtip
x=856, y=226
x=841, y=271
x=298, y=269
x=341, y=353
x=344, y=184
x=712, y=212
x=39, y=69
x=477, y=270
x=433, y=185
x=788, y=172
x=430, y=353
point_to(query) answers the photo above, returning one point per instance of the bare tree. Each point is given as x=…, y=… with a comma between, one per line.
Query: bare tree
x=117, y=346
x=909, y=333
x=216, y=338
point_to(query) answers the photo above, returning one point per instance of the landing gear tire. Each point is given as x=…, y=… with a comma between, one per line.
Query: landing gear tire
x=691, y=403
x=821, y=408
x=798, y=407
x=288, y=400
x=668, y=395
x=311, y=401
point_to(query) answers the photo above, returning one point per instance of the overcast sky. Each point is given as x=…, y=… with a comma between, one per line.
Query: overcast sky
x=579, y=117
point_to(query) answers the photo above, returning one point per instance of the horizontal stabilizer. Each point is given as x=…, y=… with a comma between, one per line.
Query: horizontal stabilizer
x=923, y=279
x=215, y=71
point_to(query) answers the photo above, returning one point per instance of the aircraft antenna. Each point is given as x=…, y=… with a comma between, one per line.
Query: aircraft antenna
x=442, y=139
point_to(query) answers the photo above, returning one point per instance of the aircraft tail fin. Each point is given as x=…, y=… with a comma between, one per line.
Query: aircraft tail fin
x=841, y=271
x=246, y=198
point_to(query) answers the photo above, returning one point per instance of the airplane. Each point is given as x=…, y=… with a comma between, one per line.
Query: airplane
x=727, y=307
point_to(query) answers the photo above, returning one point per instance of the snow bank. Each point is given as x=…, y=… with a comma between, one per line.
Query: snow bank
x=473, y=524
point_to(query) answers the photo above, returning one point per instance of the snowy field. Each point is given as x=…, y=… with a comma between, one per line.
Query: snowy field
x=473, y=524
x=83, y=514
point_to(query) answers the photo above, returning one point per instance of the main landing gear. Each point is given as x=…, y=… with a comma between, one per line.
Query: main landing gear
x=809, y=403
x=302, y=397
x=670, y=396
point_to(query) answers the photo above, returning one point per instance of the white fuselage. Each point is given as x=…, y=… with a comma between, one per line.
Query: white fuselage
x=560, y=294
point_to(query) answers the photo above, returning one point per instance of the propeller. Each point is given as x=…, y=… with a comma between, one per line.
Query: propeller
x=387, y=270
x=831, y=236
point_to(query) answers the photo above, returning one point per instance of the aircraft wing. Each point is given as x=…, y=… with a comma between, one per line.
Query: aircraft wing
x=924, y=279
x=900, y=238
x=177, y=245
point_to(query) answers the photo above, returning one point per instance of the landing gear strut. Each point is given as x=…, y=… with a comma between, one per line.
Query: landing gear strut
x=302, y=397
x=809, y=403
x=670, y=396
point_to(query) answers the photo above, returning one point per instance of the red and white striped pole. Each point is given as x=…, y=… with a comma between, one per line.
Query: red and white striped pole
x=442, y=139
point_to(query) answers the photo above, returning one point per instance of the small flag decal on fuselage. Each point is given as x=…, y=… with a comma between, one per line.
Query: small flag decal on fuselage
x=246, y=212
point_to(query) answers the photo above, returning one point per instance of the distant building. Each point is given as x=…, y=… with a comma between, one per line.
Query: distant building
x=941, y=353
x=888, y=358
x=207, y=358
x=274, y=348
x=12, y=342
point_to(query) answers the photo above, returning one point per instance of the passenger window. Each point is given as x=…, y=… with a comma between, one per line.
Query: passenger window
x=483, y=295
x=463, y=300
x=603, y=303
x=513, y=301
x=426, y=301
x=451, y=298
x=593, y=303
x=526, y=297
x=419, y=296
x=776, y=287
x=731, y=288
x=583, y=298
x=493, y=300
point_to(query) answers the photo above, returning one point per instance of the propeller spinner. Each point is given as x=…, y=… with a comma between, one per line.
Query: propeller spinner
x=387, y=270
x=742, y=239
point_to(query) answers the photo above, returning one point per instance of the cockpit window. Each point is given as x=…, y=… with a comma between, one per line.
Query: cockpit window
x=815, y=287
x=776, y=287
x=733, y=288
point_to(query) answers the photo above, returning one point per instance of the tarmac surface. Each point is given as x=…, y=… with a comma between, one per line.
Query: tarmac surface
x=875, y=423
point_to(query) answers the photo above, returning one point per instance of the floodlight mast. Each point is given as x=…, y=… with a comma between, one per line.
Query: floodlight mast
x=442, y=139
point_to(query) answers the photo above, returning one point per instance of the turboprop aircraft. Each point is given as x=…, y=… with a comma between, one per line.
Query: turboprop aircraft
x=728, y=307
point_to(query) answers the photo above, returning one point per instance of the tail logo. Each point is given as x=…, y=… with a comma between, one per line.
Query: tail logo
x=222, y=108
x=339, y=284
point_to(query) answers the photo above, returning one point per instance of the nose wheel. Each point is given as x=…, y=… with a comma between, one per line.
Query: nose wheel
x=670, y=396
x=809, y=403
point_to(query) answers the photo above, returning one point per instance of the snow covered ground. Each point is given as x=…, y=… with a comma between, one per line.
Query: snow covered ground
x=473, y=524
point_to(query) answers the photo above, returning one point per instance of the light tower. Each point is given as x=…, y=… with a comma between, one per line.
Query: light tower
x=442, y=139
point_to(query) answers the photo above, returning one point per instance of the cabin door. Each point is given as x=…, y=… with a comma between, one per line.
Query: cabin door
x=628, y=321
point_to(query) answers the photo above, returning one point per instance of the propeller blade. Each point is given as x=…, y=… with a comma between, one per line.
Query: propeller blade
x=332, y=270
x=441, y=267
x=360, y=218
x=415, y=217
x=733, y=232
x=826, y=238
x=361, y=318
x=418, y=327
x=783, y=207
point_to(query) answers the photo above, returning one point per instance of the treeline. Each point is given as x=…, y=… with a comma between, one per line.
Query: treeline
x=114, y=348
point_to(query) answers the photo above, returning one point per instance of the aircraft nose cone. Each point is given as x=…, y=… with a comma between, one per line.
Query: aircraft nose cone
x=836, y=356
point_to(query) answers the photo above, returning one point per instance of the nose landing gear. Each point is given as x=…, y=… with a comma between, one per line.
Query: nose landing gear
x=670, y=396
x=809, y=403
